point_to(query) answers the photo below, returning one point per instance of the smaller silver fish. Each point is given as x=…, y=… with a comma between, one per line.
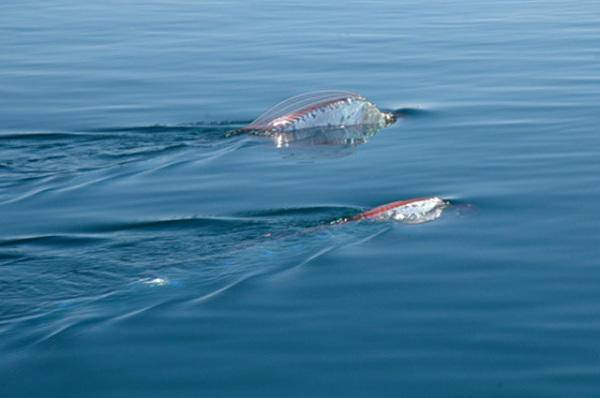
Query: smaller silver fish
x=410, y=211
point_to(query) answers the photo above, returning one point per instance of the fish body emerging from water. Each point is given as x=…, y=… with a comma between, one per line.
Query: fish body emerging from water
x=410, y=211
x=319, y=110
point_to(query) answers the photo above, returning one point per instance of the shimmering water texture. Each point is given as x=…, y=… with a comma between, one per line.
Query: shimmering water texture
x=321, y=249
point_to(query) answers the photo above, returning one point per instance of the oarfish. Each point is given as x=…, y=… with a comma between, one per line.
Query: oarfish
x=318, y=110
x=411, y=211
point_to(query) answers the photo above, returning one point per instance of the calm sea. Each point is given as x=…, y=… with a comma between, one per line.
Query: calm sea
x=143, y=254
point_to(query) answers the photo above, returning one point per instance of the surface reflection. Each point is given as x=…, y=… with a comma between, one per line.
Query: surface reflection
x=324, y=141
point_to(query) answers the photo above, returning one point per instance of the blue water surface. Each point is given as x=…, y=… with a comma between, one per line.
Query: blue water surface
x=144, y=254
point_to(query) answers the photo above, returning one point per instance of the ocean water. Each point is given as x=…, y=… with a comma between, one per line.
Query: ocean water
x=144, y=254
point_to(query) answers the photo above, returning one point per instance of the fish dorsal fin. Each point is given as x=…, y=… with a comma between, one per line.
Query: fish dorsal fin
x=299, y=103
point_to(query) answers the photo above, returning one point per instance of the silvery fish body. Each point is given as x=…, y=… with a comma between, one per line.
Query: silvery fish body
x=319, y=110
x=412, y=211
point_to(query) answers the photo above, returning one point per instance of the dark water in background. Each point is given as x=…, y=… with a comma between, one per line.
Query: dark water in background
x=142, y=254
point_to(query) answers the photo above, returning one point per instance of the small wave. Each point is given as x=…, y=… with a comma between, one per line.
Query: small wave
x=142, y=152
x=50, y=136
x=214, y=224
x=51, y=240
x=299, y=211
x=11, y=257
x=304, y=216
x=166, y=128
x=179, y=126
x=413, y=112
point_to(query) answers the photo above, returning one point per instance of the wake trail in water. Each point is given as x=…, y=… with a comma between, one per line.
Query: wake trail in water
x=191, y=257
x=37, y=163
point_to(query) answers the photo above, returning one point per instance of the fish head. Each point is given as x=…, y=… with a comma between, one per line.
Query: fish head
x=389, y=118
x=419, y=211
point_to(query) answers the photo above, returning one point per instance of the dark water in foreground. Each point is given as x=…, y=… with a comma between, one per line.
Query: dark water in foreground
x=143, y=254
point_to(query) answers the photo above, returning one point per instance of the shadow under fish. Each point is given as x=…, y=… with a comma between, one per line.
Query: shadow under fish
x=322, y=142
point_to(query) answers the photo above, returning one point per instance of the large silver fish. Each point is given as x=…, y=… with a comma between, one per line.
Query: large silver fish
x=319, y=110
